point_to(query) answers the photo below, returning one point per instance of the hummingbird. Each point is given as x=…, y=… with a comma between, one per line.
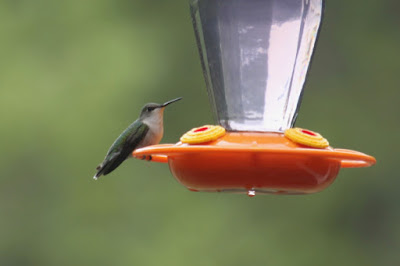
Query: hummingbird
x=147, y=130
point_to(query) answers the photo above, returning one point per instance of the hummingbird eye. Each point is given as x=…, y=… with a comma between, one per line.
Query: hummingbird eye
x=149, y=109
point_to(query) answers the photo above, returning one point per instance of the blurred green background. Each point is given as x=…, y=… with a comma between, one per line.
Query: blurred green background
x=74, y=74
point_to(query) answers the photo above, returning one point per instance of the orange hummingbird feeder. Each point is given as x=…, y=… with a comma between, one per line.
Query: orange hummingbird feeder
x=255, y=56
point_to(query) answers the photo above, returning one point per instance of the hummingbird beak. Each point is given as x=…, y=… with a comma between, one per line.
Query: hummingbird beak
x=169, y=102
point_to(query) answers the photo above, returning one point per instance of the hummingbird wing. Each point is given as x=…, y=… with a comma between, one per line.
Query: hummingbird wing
x=123, y=146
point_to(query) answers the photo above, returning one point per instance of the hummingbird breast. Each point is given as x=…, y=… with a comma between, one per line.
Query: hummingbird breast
x=156, y=129
x=153, y=137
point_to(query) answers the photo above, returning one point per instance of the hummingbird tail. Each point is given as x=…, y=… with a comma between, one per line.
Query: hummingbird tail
x=100, y=170
x=110, y=164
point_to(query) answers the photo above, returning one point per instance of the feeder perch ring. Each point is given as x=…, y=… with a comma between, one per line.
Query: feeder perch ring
x=306, y=137
x=203, y=134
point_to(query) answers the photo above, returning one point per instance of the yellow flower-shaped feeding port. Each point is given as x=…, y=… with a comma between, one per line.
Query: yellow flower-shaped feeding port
x=306, y=137
x=203, y=134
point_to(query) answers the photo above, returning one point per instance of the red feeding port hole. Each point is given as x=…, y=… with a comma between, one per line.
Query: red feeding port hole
x=308, y=132
x=201, y=129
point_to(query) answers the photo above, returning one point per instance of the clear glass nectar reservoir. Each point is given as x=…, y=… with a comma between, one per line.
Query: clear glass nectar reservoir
x=255, y=56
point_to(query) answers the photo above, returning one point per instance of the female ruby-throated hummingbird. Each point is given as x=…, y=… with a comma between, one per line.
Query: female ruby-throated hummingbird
x=146, y=130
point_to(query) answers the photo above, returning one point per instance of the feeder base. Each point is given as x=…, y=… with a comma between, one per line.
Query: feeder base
x=253, y=163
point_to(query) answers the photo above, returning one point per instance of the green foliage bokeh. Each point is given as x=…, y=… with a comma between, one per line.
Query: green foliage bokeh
x=74, y=74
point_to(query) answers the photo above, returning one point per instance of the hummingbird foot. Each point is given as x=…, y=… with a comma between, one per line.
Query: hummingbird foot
x=146, y=157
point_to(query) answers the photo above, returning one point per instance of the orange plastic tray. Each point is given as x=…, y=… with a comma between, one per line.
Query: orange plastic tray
x=249, y=162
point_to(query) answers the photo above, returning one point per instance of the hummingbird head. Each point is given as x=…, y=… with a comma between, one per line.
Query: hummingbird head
x=153, y=112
